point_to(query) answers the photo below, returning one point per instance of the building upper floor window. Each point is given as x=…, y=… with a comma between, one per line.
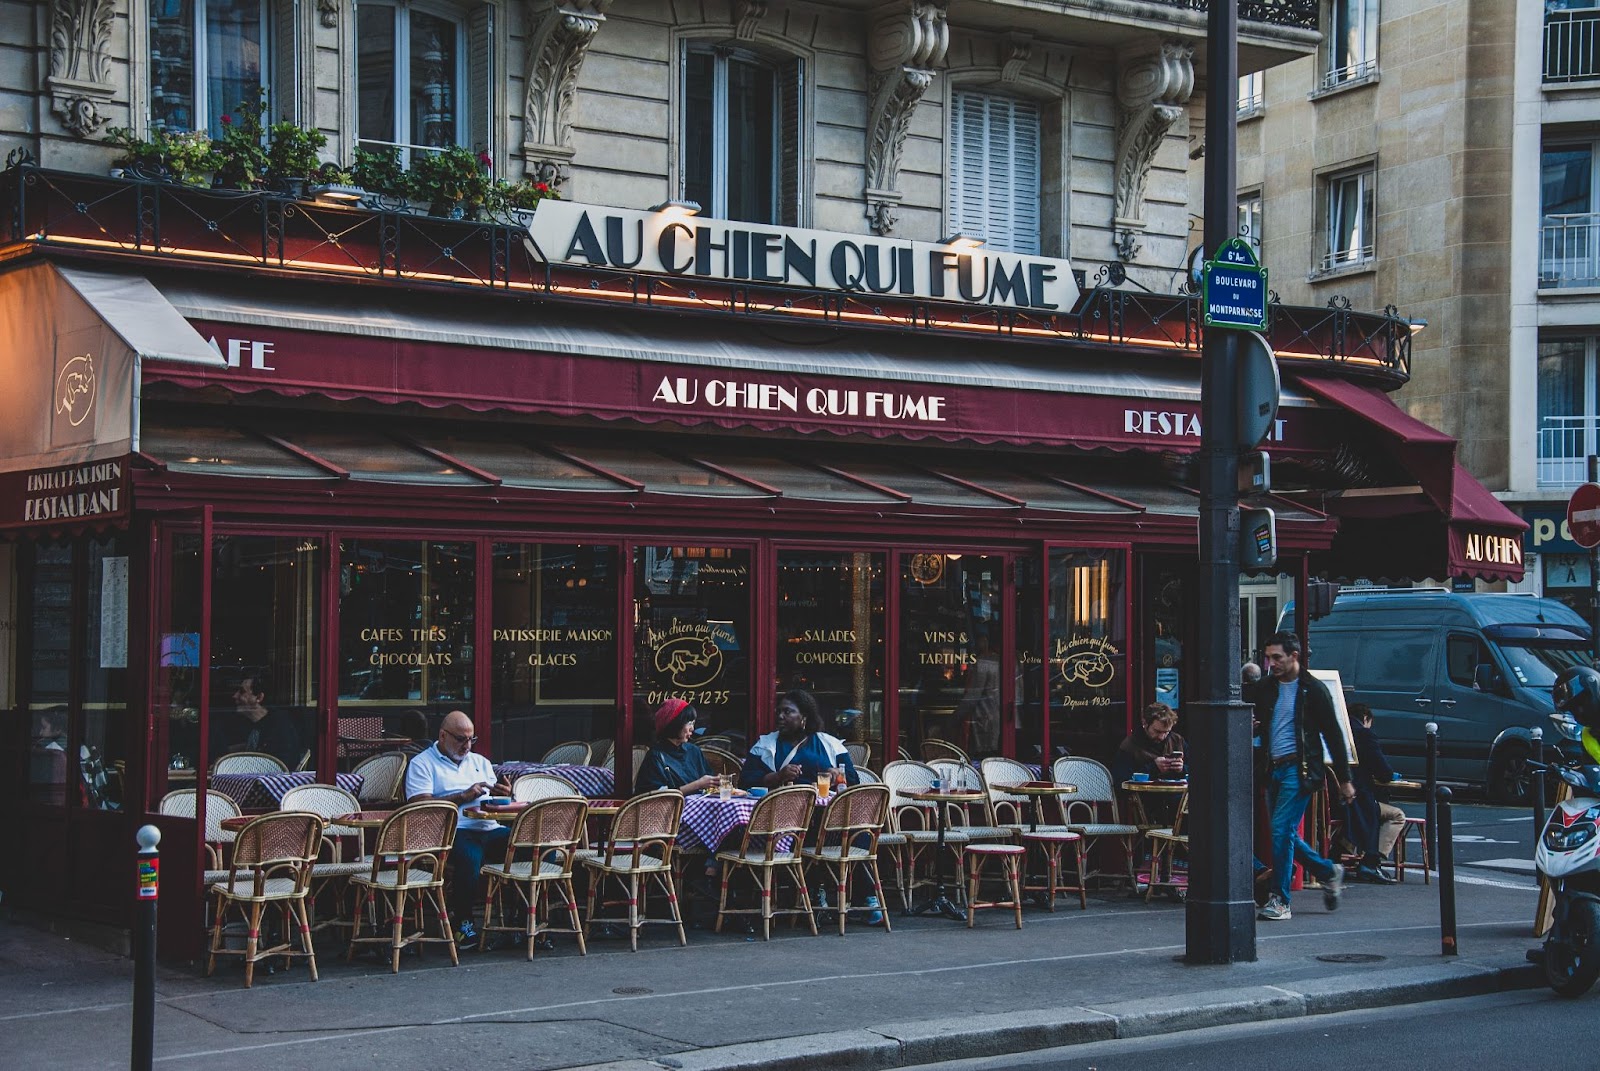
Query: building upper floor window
x=1569, y=254
x=994, y=170
x=1351, y=218
x=1352, y=41
x=741, y=133
x=1571, y=40
x=1569, y=411
x=1249, y=222
x=410, y=67
x=206, y=58
x=1252, y=94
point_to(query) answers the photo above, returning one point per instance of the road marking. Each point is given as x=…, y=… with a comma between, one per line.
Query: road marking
x=1519, y=818
x=1521, y=866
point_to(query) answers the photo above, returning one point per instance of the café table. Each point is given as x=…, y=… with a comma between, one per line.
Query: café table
x=263, y=791
x=1138, y=790
x=941, y=899
x=595, y=782
x=1037, y=792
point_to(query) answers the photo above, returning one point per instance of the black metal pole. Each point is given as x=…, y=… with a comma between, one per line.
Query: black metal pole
x=1430, y=785
x=1536, y=783
x=1220, y=910
x=144, y=949
x=1447, y=878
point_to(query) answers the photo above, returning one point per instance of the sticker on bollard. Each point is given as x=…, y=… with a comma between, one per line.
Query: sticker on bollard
x=149, y=879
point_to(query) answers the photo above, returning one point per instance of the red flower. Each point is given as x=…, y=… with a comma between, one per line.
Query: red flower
x=483, y=158
x=542, y=187
x=227, y=120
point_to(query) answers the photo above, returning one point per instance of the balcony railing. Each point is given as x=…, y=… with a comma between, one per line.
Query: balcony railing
x=1569, y=250
x=1572, y=45
x=1565, y=444
x=1300, y=13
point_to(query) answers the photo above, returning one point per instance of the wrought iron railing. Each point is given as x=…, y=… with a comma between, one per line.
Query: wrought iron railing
x=1569, y=250
x=1300, y=13
x=1572, y=45
x=1565, y=443
x=152, y=221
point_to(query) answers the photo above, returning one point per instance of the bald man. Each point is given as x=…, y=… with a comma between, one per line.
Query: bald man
x=451, y=770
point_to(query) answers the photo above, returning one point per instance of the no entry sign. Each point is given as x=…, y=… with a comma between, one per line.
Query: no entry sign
x=1583, y=515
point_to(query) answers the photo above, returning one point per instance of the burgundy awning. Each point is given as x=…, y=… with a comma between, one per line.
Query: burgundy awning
x=1449, y=525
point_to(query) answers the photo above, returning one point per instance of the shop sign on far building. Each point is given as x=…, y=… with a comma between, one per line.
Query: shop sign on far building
x=1234, y=288
x=1566, y=571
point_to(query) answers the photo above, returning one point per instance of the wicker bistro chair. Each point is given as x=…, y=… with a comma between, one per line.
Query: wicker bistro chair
x=271, y=866
x=1164, y=847
x=912, y=833
x=408, y=859
x=1011, y=811
x=546, y=837
x=383, y=778
x=860, y=755
x=963, y=776
x=246, y=762
x=1085, y=813
x=530, y=788
x=571, y=753
x=867, y=776
x=722, y=761
x=329, y=802
x=600, y=753
x=639, y=753
x=638, y=851
x=772, y=842
x=181, y=803
x=851, y=827
x=935, y=750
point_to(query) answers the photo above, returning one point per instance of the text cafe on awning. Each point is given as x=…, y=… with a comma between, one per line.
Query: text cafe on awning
x=551, y=482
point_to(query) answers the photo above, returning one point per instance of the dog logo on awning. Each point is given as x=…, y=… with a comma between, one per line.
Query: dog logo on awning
x=76, y=389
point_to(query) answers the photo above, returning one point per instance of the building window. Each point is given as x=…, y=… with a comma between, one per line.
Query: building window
x=1252, y=94
x=1352, y=42
x=741, y=125
x=1568, y=413
x=1571, y=40
x=994, y=170
x=206, y=58
x=1249, y=223
x=1567, y=222
x=1350, y=219
x=410, y=66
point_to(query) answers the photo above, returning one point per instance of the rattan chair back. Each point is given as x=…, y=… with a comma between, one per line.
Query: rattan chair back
x=903, y=776
x=421, y=832
x=639, y=753
x=720, y=761
x=382, y=777
x=857, y=809
x=571, y=753
x=780, y=822
x=329, y=801
x=550, y=826
x=600, y=753
x=181, y=803
x=644, y=821
x=249, y=762
x=1094, y=786
x=867, y=776
x=280, y=840
x=542, y=786
x=1004, y=807
x=934, y=750
x=860, y=754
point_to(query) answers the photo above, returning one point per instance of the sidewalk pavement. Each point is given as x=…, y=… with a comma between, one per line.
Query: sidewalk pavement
x=931, y=990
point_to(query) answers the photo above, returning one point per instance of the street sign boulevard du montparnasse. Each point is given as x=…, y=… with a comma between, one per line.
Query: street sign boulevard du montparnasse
x=1235, y=288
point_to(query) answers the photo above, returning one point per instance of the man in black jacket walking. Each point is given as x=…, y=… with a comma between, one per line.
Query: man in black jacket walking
x=1298, y=722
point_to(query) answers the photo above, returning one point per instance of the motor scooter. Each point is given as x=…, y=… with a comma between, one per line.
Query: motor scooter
x=1567, y=855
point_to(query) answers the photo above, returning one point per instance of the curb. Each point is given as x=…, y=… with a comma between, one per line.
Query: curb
x=893, y=1045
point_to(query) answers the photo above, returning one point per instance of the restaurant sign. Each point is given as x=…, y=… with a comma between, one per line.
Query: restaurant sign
x=95, y=491
x=692, y=248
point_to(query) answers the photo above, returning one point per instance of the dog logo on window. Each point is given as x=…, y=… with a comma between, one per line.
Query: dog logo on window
x=690, y=661
x=75, y=389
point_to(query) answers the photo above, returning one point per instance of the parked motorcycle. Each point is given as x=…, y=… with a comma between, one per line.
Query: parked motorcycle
x=1568, y=856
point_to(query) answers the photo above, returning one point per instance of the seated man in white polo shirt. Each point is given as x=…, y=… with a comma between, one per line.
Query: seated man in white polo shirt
x=451, y=770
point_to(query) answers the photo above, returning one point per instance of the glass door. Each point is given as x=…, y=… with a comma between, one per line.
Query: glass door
x=951, y=638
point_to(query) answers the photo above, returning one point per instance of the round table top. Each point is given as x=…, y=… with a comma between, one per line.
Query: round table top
x=236, y=823
x=1039, y=788
x=1403, y=783
x=605, y=808
x=1156, y=786
x=362, y=819
x=961, y=795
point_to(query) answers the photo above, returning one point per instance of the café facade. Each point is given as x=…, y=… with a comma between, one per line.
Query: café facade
x=552, y=473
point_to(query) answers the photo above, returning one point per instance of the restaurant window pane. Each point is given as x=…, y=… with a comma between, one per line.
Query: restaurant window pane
x=830, y=638
x=1088, y=651
x=177, y=657
x=48, y=666
x=950, y=639
x=691, y=635
x=264, y=641
x=103, y=668
x=405, y=631
x=554, y=647
x=1027, y=707
x=1166, y=625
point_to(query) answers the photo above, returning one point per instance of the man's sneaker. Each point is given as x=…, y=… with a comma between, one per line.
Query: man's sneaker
x=466, y=934
x=1332, y=886
x=874, y=912
x=1275, y=911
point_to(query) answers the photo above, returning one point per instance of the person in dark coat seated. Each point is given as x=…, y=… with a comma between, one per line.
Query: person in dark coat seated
x=1372, y=824
x=673, y=762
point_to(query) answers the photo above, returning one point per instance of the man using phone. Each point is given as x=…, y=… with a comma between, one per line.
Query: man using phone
x=1155, y=748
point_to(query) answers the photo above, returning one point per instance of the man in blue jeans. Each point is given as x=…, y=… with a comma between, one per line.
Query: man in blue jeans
x=1298, y=722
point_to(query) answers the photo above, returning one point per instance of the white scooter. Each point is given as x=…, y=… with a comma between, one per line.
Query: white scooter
x=1568, y=856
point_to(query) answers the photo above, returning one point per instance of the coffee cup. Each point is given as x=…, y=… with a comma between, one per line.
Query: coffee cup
x=1141, y=778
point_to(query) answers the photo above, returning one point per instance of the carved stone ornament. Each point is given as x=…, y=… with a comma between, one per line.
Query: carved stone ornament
x=1019, y=50
x=907, y=41
x=562, y=33
x=80, y=63
x=747, y=18
x=328, y=13
x=1152, y=89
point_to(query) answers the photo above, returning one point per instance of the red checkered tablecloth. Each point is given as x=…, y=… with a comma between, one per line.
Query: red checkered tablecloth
x=595, y=782
x=257, y=791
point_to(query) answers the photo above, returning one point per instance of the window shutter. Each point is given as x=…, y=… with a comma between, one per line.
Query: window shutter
x=791, y=136
x=994, y=162
x=479, y=77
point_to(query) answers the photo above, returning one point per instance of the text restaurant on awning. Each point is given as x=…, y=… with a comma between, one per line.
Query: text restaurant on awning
x=385, y=466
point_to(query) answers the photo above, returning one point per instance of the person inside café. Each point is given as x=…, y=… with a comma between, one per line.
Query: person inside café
x=674, y=761
x=259, y=727
x=799, y=750
x=1155, y=748
x=1372, y=825
x=450, y=770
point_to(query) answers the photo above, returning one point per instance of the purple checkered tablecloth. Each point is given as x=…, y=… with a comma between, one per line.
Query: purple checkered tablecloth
x=595, y=782
x=257, y=791
x=707, y=819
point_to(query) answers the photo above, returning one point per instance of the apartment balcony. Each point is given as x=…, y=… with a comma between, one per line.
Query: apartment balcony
x=1569, y=251
x=1571, y=46
x=1565, y=444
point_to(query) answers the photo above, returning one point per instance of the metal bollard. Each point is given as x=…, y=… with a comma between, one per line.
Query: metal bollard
x=1536, y=783
x=1447, y=878
x=1430, y=785
x=144, y=949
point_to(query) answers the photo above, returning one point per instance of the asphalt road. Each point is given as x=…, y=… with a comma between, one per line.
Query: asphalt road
x=1493, y=845
x=1528, y=1029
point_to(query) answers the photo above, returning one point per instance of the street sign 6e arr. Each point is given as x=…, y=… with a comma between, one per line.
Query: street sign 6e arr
x=1235, y=288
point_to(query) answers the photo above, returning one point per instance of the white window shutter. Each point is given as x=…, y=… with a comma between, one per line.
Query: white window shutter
x=994, y=166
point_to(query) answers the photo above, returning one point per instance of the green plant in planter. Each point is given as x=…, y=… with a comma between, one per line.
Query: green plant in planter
x=331, y=174
x=525, y=194
x=242, y=147
x=186, y=157
x=379, y=171
x=292, y=153
x=454, y=178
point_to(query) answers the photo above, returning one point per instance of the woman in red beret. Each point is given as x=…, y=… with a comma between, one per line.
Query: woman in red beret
x=673, y=762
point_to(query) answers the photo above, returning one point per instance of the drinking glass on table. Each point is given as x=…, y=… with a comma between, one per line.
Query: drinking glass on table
x=724, y=787
x=824, y=782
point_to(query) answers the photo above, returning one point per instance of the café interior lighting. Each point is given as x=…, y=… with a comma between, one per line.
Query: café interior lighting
x=961, y=241
x=678, y=208
x=338, y=196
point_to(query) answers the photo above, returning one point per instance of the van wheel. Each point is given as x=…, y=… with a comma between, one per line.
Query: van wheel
x=1510, y=780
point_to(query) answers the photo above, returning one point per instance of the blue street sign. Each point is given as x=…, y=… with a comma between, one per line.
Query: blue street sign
x=1234, y=288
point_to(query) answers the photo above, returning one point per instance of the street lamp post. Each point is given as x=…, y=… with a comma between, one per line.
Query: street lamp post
x=1220, y=910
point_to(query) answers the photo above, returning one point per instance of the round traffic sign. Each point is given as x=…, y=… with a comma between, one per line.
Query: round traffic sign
x=1583, y=515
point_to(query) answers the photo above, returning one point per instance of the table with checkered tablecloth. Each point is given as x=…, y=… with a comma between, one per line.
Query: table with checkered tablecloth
x=259, y=791
x=595, y=782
